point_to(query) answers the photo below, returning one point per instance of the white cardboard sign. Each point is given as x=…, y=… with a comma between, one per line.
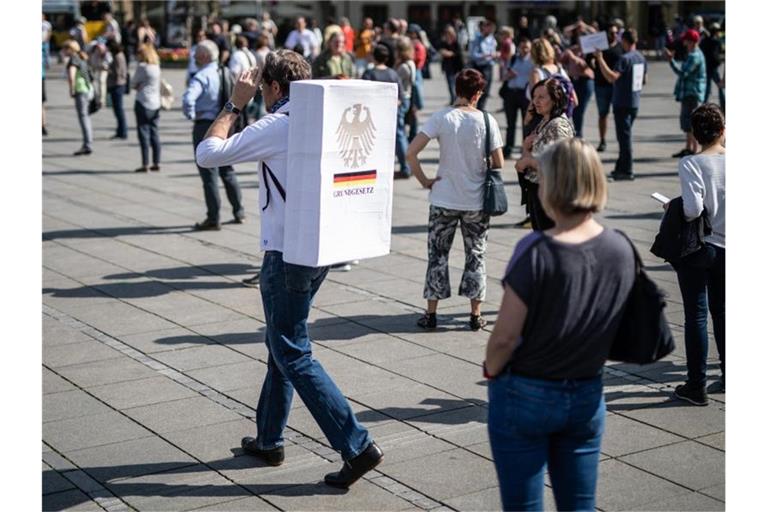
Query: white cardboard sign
x=591, y=42
x=341, y=147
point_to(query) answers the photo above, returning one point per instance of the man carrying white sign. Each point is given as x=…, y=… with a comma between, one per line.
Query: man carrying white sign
x=287, y=290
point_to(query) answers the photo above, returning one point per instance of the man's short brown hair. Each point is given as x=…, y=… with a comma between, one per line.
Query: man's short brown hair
x=284, y=67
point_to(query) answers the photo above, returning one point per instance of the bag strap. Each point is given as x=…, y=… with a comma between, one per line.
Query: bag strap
x=267, y=173
x=487, y=142
x=264, y=170
x=638, y=260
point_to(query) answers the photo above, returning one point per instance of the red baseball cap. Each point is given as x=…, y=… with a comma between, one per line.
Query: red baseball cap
x=691, y=35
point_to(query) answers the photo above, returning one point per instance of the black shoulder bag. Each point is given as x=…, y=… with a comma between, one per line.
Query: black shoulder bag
x=644, y=336
x=494, y=197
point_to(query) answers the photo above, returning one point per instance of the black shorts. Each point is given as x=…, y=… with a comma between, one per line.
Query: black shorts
x=44, y=96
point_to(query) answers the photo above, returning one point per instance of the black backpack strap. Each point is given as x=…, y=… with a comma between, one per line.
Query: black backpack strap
x=487, y=141
x=267, y=173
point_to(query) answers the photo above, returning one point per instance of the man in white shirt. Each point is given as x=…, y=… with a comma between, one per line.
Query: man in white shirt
x=287, y=290
x=482, y=55
x=304, y=37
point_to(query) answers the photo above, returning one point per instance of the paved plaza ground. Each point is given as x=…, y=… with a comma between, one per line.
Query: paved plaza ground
x=153, y=352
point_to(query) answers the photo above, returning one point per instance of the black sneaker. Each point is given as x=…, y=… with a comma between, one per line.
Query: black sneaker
x=717, y=387
x=252, y=282
x=682, y=153
x=353, y=469
x=621, y=176
x=273, y=457
x=82, y=151
x=523, y=224
x=477, y=322
x=427, y=321
x=694, y=395
x=601, y=146
x=207, y=225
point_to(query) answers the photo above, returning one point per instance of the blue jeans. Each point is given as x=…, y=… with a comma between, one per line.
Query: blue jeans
x=116, y=93
x=584, y=88
x=418, y=101
x=702, y=284
x=287, y=291
x=401, y=141
x=211, y=182
x=536, y=424
x=450, y=77
x=624, y=118
x=146, y=128
x=487, y=71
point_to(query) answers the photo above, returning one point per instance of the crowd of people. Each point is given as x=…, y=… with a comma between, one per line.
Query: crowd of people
x=542, y=350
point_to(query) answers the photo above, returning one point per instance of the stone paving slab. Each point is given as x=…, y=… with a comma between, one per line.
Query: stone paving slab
x=674, y=462
x=128, y=459
x=87, y=431
x=180, y=414
x=126, y=395
x=124, y=275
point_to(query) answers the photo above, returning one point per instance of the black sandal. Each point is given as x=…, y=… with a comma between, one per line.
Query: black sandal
x=477, y=322
x=428, y=321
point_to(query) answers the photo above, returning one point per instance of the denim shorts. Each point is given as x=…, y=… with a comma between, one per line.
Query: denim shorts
x=687, y=106
x=603, y=95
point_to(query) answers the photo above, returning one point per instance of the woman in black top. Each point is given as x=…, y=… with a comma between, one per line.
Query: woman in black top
x=453, y=59
x=564, y=292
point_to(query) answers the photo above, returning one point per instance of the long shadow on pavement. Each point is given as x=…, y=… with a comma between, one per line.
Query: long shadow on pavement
x=57, y=500
x=115, y=232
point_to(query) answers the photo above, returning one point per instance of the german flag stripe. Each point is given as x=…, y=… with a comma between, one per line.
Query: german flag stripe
x=341, y=179
x=354, y=183
x=352, y=175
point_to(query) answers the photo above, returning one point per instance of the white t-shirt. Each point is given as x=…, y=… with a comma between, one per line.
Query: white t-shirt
x=306, y=38
x=461, y=169
x=265, y=140
x=241, y=59
x=702, y=179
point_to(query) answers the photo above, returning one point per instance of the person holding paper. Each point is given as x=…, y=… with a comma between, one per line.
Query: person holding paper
x=627, y=76
x=604, y=88
x=286, y=289
x=701, y=275
x=690, y=87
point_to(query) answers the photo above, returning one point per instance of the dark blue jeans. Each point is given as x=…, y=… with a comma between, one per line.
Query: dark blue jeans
x=702, y=284
x=116, y=94
x=624, y=118
x=584, y=88
x=450, y=78
x=146, y=127
x=211, y=182
x=535, y=425
x=487, y=71
x=401, y=141
x=287, y=291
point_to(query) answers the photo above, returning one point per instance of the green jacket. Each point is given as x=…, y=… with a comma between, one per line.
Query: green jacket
x=327, y=66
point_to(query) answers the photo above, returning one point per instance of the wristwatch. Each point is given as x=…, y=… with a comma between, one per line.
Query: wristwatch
x=230, y=107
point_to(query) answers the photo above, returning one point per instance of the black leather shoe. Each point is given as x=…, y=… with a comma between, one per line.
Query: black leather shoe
x=273, y=457
x=621, y=176
x=601, y=146
x=353, y=469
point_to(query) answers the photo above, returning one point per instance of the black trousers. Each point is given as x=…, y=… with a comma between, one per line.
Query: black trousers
x=514, y=101
x=539, y=219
